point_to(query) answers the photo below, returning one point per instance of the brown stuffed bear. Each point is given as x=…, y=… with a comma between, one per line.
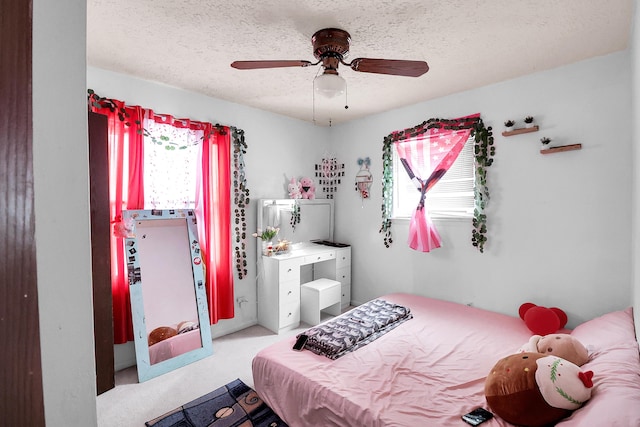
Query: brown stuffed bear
x=531, y=389
x=160, y=334
x=560, y=345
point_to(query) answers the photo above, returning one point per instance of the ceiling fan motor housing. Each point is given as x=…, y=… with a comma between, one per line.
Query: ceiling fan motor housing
x=331, y=45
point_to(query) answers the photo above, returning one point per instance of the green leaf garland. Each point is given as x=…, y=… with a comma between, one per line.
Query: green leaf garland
x=295, y=215
x=240, y=199
x=483, y=150
x=387, y=189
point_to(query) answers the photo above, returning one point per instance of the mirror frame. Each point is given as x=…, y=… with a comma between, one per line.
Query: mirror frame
x=308, y=207
x=146, y=370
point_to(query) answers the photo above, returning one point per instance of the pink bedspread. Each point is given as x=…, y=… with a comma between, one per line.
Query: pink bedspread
x=427, y=372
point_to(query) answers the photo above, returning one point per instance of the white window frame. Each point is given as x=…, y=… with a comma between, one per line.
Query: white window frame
x=451, y=198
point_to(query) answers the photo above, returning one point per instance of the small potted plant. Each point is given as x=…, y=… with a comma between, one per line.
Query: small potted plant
x=528, y=121
x=545, y=142
x=508, y=125
x=266, y=237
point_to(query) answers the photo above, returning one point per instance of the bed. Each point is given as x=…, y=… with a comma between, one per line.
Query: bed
x=431, y=369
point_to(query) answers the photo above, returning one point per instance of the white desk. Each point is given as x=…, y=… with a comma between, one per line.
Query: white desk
x=279, y=281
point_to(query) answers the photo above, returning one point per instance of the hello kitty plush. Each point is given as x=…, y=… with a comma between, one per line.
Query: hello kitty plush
x=295, y=189
x=308, y=188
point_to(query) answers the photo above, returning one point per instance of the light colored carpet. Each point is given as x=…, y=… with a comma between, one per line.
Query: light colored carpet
x=131, y=403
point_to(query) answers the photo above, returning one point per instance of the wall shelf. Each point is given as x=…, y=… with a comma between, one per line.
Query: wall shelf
x=561, y=148
x=520, y=130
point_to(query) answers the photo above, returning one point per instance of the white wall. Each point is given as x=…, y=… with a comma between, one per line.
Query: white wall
x=559, y=224
x=278, y=148
x=61, y=189
x=635, y=70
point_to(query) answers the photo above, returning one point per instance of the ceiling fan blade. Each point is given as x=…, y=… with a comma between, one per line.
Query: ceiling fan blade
x=253, y=65
x=393, y=67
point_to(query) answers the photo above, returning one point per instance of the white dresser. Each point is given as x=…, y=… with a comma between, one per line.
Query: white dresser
x=279, y=281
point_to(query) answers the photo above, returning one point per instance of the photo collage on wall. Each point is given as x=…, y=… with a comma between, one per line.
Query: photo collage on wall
x=329, y=173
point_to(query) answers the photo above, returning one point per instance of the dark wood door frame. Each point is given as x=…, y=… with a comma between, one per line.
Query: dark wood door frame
x=21, y=392
x=101, y=251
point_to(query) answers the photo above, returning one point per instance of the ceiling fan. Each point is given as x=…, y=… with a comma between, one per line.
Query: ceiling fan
x=330, y=47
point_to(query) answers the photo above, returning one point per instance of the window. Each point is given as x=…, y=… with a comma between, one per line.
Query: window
x=170, y=166
x=451, y=197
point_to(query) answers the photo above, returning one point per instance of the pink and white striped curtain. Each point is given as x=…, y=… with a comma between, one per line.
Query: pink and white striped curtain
x=426, y=157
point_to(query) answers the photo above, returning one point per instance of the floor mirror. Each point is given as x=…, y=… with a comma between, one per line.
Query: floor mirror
x=166, y=284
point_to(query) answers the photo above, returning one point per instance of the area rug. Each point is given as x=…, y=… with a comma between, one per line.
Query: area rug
x=232, y=405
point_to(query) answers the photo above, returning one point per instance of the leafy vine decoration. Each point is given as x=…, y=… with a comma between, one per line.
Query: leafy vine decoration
x=484, y=150
x=295, y=215
x=240, y=189
x=387, y=189
x=96, y=101
x=240, y=199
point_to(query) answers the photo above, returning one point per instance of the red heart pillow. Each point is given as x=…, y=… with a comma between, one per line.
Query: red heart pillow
x=542, y=320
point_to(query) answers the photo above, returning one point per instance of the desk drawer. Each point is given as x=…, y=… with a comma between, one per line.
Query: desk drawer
x=343, y=275
x=289, y=306
x=289, y=270
x=289, y=291
x=324, y=256
x=346, y=296
x=343, y=258
x=289, y=316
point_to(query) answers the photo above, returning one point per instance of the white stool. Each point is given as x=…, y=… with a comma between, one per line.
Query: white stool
x=321, y=294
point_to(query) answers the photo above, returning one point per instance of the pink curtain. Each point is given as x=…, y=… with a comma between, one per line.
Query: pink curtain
x=426, y=157
x=126, y=191
x=213, y=212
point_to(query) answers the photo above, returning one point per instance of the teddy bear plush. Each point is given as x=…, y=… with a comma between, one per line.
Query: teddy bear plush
x=295, y=189
x=560, y=345
x=160, y=334
x=308, y=188
x=533, y=389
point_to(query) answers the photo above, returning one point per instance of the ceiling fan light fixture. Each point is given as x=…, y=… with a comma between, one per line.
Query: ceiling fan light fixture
x=329, y=85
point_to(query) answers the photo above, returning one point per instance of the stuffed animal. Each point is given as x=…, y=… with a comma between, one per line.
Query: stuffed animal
x=186, y=326
x=295, y=189
x=160, y=334
x=531, y=389
x=542, y=320
x=308, y=188
x=124, y=228
x=559, y=345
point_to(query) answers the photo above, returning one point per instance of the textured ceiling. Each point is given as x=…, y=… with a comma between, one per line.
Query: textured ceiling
x=467, y=43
